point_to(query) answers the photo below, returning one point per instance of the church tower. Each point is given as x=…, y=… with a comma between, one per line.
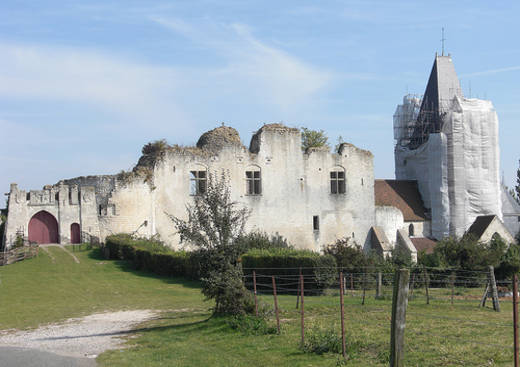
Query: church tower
x=449, y=145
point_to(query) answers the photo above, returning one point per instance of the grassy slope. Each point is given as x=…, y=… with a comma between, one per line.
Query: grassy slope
x=38, y=291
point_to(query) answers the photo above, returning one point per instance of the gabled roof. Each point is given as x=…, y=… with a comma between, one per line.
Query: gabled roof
x=402, y=194
x=480, y=225
x=423, y=244
x=380, y=241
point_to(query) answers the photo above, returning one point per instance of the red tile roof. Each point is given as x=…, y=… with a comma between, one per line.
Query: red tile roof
x=423, y=244
x=402, y=194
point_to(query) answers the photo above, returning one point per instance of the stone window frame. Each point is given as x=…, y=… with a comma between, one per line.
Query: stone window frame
x=198, y=183
x=338, y=181
x=253, y=178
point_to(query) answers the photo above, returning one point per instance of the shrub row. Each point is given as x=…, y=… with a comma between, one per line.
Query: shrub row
x=152, y=256
x=319, y=271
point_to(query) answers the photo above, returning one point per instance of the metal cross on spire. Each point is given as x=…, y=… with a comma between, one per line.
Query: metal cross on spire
x=442, y=40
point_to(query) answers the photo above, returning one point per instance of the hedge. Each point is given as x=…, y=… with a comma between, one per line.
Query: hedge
x=152, y=256
x=319, y=271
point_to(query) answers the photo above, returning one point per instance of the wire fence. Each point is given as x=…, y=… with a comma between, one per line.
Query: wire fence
x=456, y=315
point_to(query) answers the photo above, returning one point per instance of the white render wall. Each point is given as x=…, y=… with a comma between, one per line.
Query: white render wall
x=74, y=205
x=295, y=187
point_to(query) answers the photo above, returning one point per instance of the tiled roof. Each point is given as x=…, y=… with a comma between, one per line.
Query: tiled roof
x=423, y=244
x=480, y=225
x=402, y=194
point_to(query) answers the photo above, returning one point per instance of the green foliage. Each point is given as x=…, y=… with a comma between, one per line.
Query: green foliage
x=349, y=255
x=3, y=219
x=151, y=255
x=285, y=263
x=467, y=253
x=261, y=240
x=155, y=148
x=214, y=226
x=401, y=257
x=313, y=139
x=18, y=242
x=251, y=325
x=327, y=339
x=510, y=263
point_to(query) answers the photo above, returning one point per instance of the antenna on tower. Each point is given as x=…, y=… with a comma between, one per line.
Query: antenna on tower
x=442, y=40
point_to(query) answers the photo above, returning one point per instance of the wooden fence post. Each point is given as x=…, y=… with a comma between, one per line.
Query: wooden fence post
x=379, y=286
x=343, y=346
x=297, y=292
x=515, y=318
x=496, y=304
x=254, y=289
x=364, y=287
x=452, y=286
x=412, y=283
x=399, y=304
x=302, y=296
x=352, y=284
x=276, y=305
x=426, y=285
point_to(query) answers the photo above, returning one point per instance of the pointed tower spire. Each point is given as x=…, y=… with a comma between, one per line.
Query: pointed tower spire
x=443, y=85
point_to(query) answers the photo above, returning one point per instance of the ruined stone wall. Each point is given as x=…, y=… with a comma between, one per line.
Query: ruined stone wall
x=295, y=189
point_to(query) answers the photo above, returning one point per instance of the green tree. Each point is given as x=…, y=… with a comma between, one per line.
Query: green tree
x=313, y=139
x=214, y=226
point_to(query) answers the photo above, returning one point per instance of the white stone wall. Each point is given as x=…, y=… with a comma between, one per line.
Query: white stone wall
x=421, y=228
x=389, y=219
x=496, y=227
x=295, y=187
x=68, y=205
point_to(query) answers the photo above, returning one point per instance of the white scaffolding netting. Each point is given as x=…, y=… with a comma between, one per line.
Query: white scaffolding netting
x=457, y=170
x=473, y=165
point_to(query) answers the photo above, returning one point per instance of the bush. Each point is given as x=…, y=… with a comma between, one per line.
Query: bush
x=261, y=241
x=468, y=254
x=319, y=270
x=510, y=263
x=151, y=255
x=320, y=340
x=251, y=325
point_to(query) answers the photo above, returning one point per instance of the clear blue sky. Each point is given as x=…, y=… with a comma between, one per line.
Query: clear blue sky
x=85, y=84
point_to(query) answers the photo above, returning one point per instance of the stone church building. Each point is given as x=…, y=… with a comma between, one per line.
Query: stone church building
x=447, y=177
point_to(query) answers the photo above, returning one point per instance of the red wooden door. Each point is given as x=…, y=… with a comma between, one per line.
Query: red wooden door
x=75, y=236
x=43, y=228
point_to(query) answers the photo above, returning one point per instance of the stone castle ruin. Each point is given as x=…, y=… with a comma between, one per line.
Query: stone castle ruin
x=447, y=176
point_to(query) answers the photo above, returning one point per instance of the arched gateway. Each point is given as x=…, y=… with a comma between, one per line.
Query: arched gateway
x=43, y=228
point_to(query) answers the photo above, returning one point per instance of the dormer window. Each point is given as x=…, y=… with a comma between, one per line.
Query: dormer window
x=337, y=181
x=198, y=182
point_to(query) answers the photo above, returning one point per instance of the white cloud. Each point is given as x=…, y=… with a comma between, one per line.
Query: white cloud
x=252, y=66
x=86, y=76
x=491, y=71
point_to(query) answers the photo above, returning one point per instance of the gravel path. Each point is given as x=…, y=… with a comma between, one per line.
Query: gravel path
x=84, y=337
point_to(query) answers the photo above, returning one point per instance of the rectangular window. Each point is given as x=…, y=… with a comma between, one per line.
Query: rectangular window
x=316, y=223
x=253, y=183
x=198, y=181
x=337, y=182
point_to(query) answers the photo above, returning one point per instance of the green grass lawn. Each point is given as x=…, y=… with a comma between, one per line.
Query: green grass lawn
x=38, y=291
